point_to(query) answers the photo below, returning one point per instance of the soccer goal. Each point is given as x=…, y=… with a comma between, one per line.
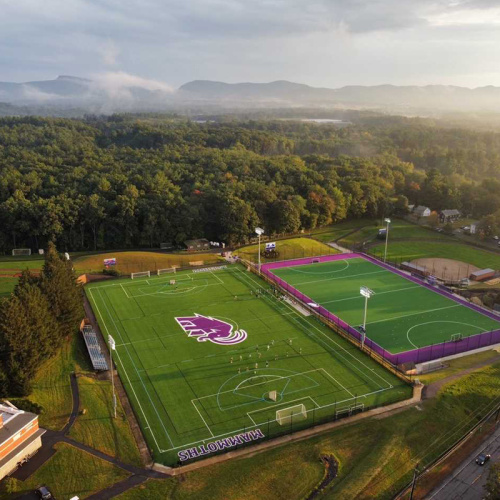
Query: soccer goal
x=21, y=251
x=167, y=270
x=292, y=414
x=456, y=337
x=316, y=261
x=141, y=274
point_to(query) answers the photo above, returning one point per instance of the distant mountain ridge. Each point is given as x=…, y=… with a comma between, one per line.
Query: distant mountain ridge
x=70, y=91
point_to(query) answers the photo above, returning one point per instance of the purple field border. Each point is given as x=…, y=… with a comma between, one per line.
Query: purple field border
x=423, y=354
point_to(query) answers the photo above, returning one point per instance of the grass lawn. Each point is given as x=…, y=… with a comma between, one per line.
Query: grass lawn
x=51, y=388
x=97, y=428
x=73, y=472
x=410, y=250
x=288, y=249
x=402, y=315
x=131, y=262
x=398, y=229
x=457, y=365
x=7, y=286
x=336, y=231
x=199, y=358
x=376, y=456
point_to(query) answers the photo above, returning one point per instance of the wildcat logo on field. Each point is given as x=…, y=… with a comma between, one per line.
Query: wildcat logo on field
x=205, y=328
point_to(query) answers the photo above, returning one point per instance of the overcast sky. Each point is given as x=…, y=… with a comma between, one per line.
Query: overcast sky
x=327, y=43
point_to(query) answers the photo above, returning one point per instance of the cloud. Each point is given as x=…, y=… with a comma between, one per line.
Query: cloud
x=110, y=53
x=120, y=85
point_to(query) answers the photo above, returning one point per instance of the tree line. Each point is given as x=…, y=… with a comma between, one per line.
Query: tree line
x=138, y=181
x=34, y=322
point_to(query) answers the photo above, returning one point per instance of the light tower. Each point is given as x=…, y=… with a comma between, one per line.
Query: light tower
x=259, y=231
x=366, y=293
x=387, y=221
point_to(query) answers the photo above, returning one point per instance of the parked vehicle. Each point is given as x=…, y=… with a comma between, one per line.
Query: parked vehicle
x=44, y=493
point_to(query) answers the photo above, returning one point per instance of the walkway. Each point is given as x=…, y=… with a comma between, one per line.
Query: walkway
x=137, y=474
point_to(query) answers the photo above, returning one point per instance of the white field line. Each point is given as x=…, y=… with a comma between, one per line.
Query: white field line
x=358, y=296
x=440, y=321
x=413, y=314
x=338, y=345
x=126, y=374
x=298, y=270
x=201, y=416
x=277, y=377
x=216, y=277
x=137, y=371
x=338, y=383
x=332, y=279
x=246, y=429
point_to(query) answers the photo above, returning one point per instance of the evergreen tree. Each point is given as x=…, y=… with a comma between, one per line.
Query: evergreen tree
x=28, y=335
x=59, y=285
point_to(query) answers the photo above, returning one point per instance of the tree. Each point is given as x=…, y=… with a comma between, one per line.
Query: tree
x=59, y=285
x=28, y=335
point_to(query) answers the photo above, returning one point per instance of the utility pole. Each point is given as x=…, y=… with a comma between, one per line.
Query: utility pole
x=414, y=481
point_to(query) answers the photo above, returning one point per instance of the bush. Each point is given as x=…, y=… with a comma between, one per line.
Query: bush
x=27, y=405
x=110, y=272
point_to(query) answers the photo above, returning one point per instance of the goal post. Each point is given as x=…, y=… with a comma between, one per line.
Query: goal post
x=166, y=270
x=456, y=337
x=141, y=274
x=273, y=396
x=292, y=414
x=21, y=251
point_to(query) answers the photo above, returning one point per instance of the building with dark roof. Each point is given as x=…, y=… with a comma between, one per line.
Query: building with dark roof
x=449, y=215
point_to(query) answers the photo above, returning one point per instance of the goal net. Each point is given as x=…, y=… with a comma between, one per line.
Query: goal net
x=456, y=337
x=167, y=270
x=140, y=274
x=292, y=414
x=272, y=396
x=21, y=251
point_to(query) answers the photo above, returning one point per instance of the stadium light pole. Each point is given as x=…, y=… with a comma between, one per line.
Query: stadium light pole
x=112, y=347
x=387, y=221
x=366, y=293
x=259, y=232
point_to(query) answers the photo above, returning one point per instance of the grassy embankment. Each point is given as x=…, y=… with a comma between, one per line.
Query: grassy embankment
x=71, y=471
x=293, y=248
x=376, y=456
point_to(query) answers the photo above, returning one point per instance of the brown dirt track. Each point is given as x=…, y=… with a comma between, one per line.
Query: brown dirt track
x=446, y=268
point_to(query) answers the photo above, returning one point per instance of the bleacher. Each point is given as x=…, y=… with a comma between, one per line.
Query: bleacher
x=96, y=356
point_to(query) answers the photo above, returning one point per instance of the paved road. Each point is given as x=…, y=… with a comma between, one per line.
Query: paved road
x=468, y=480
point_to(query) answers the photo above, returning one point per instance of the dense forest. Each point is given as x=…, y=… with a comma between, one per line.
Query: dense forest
x=136, y=181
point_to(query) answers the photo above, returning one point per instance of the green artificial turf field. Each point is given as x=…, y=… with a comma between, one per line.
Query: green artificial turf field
x=199, y=359
x=402, y=315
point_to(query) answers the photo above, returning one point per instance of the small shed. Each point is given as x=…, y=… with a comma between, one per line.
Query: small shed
x=196, y=245
x=482, y=274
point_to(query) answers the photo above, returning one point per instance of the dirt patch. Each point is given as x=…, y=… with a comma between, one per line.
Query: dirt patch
x=446, y=269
